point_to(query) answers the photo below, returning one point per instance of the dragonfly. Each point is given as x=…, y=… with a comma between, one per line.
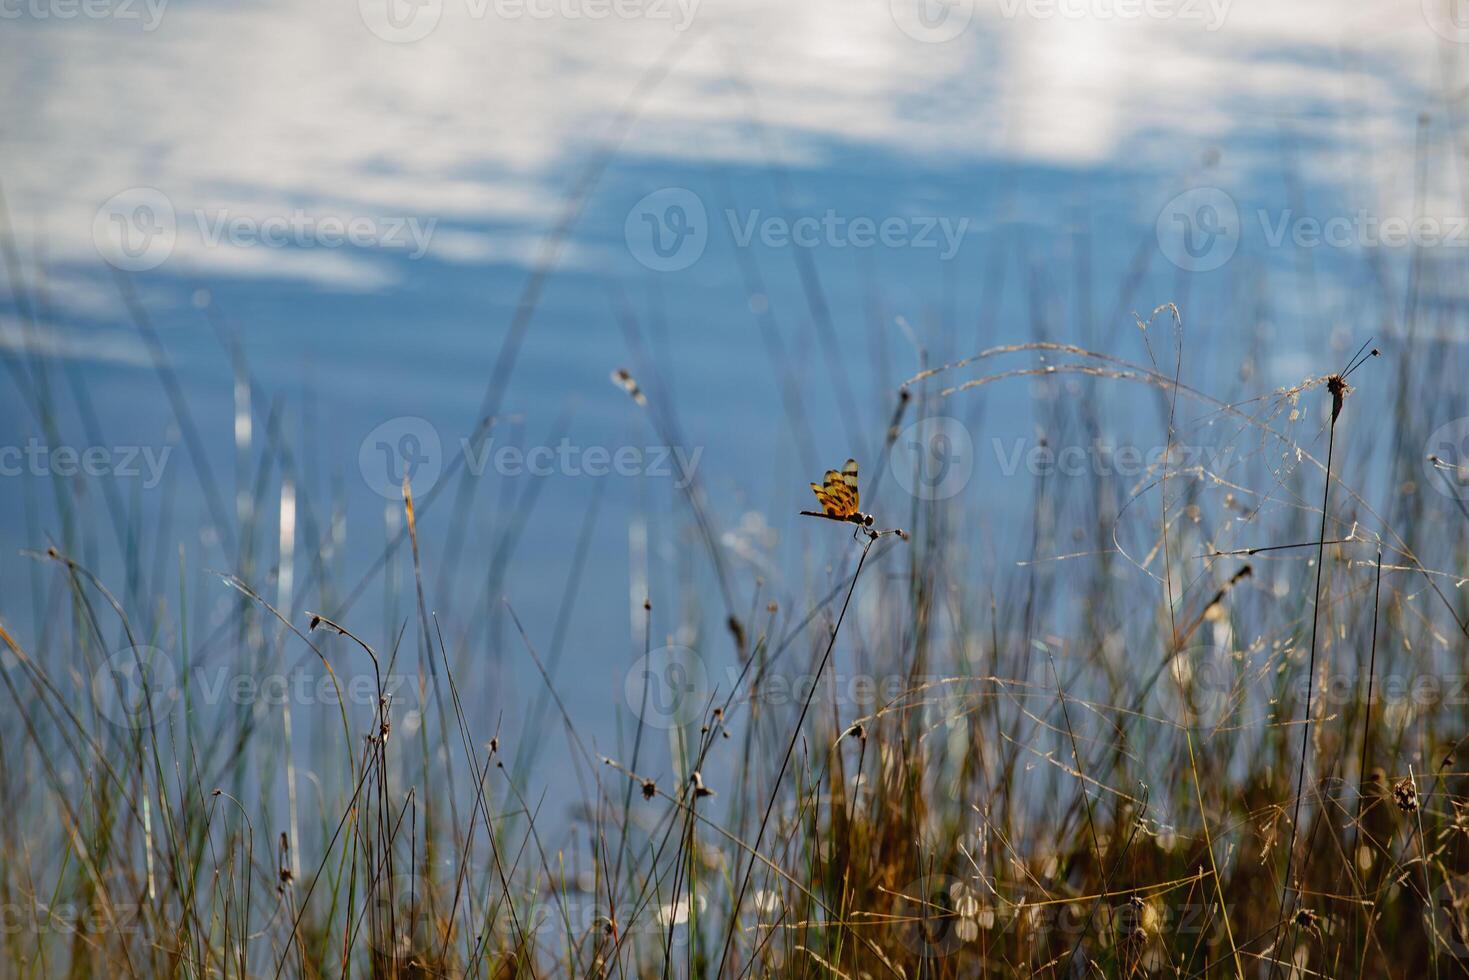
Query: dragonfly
x=839, y=497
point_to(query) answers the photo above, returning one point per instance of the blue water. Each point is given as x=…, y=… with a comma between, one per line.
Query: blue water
x=1047, y=148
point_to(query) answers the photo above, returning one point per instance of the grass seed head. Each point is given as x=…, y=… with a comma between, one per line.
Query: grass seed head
x=1405, y=795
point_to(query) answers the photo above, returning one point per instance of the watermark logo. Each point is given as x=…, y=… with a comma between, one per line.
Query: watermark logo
x=668, y=230
x=1206, y=677
x=932, y=21
x=402, y=447
x=1447, y=921
x=1199, y=230
x=400, y=918
x=668, y=687
x=1446, y=459
x=401, y=21
x=1449, y=19
x=135, y=688
x=937, y=914
x=933, y=459
x=135, y=230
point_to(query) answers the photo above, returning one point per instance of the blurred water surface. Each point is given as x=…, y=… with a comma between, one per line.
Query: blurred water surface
x=353, y=228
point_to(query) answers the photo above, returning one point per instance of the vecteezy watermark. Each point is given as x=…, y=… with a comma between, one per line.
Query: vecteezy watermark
x=302, y=229
x=932, y=21
x=836, y=231
x=410, y=446
x=135, y=688
x=1209, y=13
x=581, y=913
x=138, y=687
x=216, y=686
x=859, y=692
x=933, y=459
x=1104, y=459
x=36, y=458
x=1199, y=230
x=405, y=21
x=1449, y=19
x=148, y=13
x=1363, y=229
x=678, y=13
x=668, y=230
x=667, y=687
x=137, y=229
x=1415, y=690
x=72, y=918
x=1446, y=459
x=937, y=915
x=673, y=686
